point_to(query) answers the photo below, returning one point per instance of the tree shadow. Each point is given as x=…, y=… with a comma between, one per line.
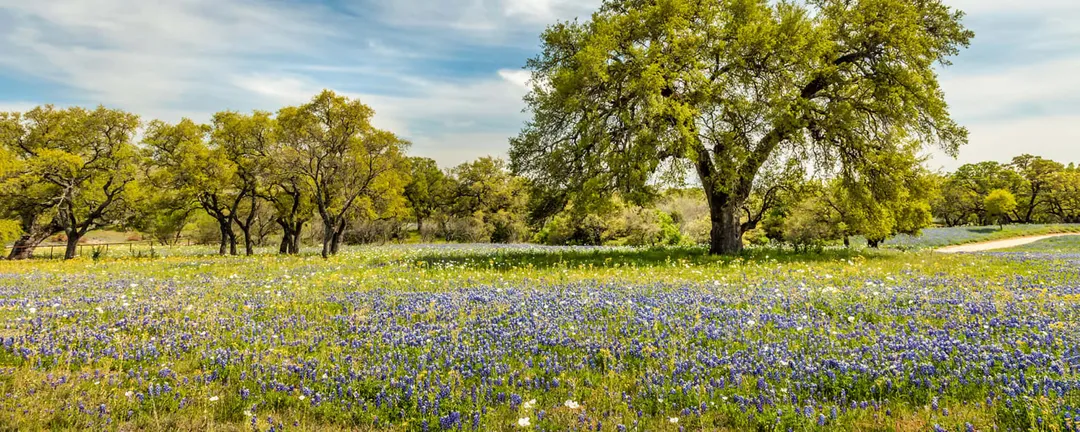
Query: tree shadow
x=623, y=257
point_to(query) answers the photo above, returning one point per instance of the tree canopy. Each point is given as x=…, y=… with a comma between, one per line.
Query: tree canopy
x=722, y=88
x=70, y=170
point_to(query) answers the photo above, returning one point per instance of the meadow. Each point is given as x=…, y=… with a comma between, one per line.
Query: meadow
x=951, y=236
x=451, y=337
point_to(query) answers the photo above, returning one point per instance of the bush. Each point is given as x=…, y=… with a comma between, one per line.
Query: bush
x=467, y=230
x=756, y=237
x=206, y=231
x=623, y=226
x=806, y=229
x=507, y=227
x=378, y=231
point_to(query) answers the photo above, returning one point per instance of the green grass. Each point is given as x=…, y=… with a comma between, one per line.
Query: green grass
x=932, y=238
x=1066, y=245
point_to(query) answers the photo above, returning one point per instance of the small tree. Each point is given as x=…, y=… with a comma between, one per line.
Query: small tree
x=999, y=203
x=426, y=191
x=809, y=226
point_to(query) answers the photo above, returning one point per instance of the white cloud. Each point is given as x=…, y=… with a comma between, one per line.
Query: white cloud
x=517, y=77
x=144, y=55
x=977, y=96
x=1053, y=137
x=999, y=6
x=494, y=19
x=451, y=122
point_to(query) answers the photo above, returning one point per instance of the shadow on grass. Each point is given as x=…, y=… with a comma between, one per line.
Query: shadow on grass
x=651, y=257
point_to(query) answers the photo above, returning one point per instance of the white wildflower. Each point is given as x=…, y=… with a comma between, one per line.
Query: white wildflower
x=524, y=422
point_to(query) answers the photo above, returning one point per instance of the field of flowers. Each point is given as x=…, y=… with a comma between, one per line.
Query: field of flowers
x=525, y=338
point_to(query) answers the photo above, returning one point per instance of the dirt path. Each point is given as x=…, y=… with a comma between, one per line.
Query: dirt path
x=999, y=244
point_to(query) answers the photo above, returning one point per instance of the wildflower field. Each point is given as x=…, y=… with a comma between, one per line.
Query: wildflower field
x=411, y=338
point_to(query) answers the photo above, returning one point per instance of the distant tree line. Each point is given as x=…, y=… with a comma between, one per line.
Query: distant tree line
x=319, y=171
x=1028, y=190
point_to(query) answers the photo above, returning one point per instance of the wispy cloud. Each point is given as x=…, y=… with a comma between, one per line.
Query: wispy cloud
x=148, y=54
x=446, y=74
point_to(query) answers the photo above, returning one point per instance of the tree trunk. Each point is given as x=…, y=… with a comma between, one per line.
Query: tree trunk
x=34, y=234
x=22, y=249
x=335, y=242
x=328, y=234
x=25, y=245
x=726, y=235
x=224, y=238
x=286, y=240
x=249, y=247
x=72, y=244
x=297, y=233
x=232, y=243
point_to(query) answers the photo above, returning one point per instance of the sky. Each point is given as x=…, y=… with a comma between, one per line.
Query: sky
x=447, y=74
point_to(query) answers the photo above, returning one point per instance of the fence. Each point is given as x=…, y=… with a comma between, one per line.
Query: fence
x=58, y=250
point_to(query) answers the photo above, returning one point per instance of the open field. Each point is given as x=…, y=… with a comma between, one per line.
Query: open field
x=1057, y=245
x=932, y=238
x=1016, y=243
x=480, y=338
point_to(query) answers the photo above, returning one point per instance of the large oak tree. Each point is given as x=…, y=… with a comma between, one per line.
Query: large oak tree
x=724, y=87
x=76, y=168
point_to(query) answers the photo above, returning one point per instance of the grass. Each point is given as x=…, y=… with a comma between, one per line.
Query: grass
x=1064, y=245
x=404, y=338
x=932, y=238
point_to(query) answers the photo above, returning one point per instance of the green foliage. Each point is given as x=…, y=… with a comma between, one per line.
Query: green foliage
x=428, y=189
x=68, y=170
x=728, y=87
x=999, y=203
x=809, y=227
x=9, y=231
x=964, y=192
x=1063, y=199
x=618, y=224
x=484, y=202
x=349, y=167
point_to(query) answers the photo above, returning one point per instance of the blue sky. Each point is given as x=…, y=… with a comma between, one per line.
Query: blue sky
x=447, y=74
